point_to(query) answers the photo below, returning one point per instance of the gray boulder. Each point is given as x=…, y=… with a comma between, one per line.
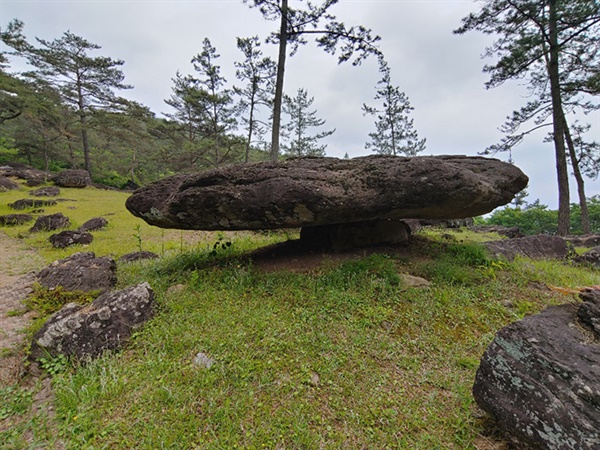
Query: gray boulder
x=540, y=380
x=84, y=332
x=46, y=191
x=7, y=185
x=80, y=272
x=308, y=192
x=509, y=232
x=536, y=247
x=34, y=177
x=97, y=223
x=51, y=222
x=15, y=219
x=31, y=203
x=67, y=238
x=73, y=178
x=138, y=256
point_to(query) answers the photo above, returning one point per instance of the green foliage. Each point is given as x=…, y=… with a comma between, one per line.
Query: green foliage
x=532, y=219
x=47, y=301
x=14, y=401
x=111, y=178
x=55, y=365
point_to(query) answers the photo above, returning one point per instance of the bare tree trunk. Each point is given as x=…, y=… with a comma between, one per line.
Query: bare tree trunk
x=585, y=216
x=279, y=81
x=558, y=124
x=250, y=130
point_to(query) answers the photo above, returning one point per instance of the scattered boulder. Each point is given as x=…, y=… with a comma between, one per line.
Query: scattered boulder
x=310, y=192
x=67, y=238
x=31, y=203
x=203, y=361
x=72, y=178
x=15, y=219
x=591, y=258
x=137, y=256
x=97, y=223
x=413, y=281
x=541, y=246
x=540, y=379
x=345, y=236
x=589, y=311
x=590, y=240
x=34, y=177
x=51, y=222
x=80, y=272
x=509, y=232
x=448, y=223
x=84, y=332
x=46, y=191
x=7, y=185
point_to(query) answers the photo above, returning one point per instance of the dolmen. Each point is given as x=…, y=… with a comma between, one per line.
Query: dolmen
x=332, y=200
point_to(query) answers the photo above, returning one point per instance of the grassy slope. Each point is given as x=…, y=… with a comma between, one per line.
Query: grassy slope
x=345, y=356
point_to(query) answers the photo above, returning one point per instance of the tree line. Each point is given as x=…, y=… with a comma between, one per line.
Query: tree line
x=67, y=109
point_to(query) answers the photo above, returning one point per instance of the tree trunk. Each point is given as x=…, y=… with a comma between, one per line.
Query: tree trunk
x=585, y=216
x=250, y=130
x=279, y=82
x=84, y=136
x=558, y=125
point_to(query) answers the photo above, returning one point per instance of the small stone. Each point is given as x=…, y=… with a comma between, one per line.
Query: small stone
x=413, y=281
x=203, y=361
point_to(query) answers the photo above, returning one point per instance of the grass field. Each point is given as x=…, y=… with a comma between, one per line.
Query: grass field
x=340, y=355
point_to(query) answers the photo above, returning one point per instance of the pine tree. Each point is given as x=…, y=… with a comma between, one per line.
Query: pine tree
x=258, y=72
x=299, y=142
x=294, y=26
x=395, y=131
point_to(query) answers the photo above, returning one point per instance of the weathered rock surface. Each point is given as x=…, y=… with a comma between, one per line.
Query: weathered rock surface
x=536, y=247
x=7, y=185
x=34, y=177
x=73, y=178
x=46, y=191
x=325, y=191
x=590, y=240
x=137, y=256
x=97, y=223
x=80, y=272
x=540, y=379
x=31, y=203
x=15, y=219
x=591, y=257
x=84, y=332
x=50, y=223
x=67, y=238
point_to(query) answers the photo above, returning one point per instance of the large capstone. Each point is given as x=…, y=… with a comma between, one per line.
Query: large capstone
x=308, y=192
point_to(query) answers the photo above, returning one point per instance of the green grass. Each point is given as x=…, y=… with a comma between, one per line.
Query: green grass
x=343, y=356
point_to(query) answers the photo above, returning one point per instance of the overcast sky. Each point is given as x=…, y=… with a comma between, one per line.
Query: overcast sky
x=440, y=72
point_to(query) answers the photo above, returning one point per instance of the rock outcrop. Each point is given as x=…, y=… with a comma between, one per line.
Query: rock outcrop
x=73, y=178
x=540, y=377
x=69, y=237
x=309, y=192
x=536, y=247
x=84, y=332
x=15, y=219
x=50, y=223
x=80, y=272
x=31, y=203
x=7, y=185
x=97, y=223
x=33, y=177
x=46, y=191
